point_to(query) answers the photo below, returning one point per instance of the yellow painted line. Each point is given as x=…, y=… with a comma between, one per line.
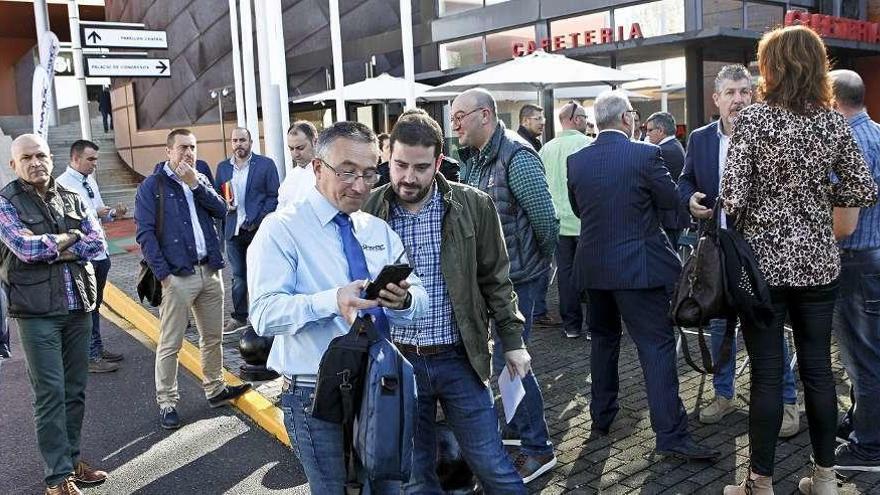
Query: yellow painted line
x=252, y=403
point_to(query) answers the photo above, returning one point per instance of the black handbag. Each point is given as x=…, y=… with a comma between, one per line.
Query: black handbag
x=701, y=295
x=149, y=288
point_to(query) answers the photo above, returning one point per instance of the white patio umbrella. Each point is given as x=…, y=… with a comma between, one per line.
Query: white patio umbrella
x=381, y=89
x=579, y=93
x=536, y=72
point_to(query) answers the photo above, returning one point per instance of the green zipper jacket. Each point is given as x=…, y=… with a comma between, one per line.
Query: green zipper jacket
x=475, y=266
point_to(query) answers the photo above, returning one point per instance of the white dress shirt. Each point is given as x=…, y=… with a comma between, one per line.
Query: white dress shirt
x=198, y=235
x=664, y=140
x=723, y=145
x=73, y=181
x=239, y=189
x=296, y=186
x=296, y=264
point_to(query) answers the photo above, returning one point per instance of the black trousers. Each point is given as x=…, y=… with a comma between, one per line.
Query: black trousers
x=810, y=310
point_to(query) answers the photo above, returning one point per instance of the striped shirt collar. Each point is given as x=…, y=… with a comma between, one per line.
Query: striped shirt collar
x=859, y=118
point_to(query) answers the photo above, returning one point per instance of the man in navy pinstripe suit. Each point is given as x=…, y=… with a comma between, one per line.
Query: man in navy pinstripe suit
x=626, y=264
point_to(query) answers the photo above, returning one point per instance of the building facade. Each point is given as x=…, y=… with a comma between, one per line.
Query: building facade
x=676, y=46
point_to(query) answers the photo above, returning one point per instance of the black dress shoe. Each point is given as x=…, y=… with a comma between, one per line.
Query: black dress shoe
x=691, y=451
x=596, y=432
x=228, y=394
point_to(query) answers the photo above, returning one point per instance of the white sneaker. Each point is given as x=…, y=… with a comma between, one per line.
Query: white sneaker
x=716, y=410
x=791, y=421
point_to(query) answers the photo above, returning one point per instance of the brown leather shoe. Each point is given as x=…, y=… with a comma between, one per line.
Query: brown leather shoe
x=85, y=474
x=66, y=487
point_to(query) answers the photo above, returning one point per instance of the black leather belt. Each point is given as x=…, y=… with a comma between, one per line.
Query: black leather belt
x=426, y=350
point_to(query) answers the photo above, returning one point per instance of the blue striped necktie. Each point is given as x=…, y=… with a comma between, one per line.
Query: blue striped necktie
x=357, y=265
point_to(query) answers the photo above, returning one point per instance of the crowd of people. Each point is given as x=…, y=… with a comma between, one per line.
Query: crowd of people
x=791, y=164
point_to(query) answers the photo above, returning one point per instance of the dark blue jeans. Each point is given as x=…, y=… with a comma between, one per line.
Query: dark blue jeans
x=470, y=412
x=528, y=423
x=236, y=253
x=810, y=309
x=645, y=313
x=723, y=380
x=541, y=294
x=102, y=268
x=570, y=305
x=857, y=328
x=318, y=446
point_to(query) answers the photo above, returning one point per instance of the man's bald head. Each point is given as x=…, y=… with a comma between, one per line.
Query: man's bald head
x=479, y=97
x=849, y=90
x=32, y=160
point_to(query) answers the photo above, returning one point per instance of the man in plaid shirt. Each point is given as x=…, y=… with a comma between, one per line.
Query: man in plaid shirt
x=48, y=240
x=500, y=163
x=452, y=235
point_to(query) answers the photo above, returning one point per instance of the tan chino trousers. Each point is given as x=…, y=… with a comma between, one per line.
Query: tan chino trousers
x=202, y=293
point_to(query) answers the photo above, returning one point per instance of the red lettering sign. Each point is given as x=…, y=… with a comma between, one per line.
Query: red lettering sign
x=574, y=40
x=559, y=42
x=836, y=27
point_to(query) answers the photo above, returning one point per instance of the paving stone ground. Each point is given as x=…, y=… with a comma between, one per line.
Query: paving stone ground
x=623, y=462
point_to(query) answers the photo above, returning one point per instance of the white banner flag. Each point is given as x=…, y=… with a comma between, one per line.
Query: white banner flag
x=40, y=101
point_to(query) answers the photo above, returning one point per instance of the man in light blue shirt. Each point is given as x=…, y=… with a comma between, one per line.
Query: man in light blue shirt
x=302, y=294
x=856, y=319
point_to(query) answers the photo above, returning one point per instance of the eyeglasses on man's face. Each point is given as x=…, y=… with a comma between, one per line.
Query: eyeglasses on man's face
x=459, y=116
x=370, y=177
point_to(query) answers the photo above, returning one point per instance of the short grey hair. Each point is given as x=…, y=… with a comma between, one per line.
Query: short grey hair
x=663, y=120
x=609, y=106
x=733, y=72
x=848, y=87
x=353, y=131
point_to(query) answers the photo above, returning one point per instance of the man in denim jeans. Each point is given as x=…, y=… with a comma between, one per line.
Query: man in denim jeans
x=857, y=313
x=307, y=289
x=502, y=164
x=445, y=226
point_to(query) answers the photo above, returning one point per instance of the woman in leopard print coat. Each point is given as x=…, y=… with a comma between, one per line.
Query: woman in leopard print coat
x=778, y=184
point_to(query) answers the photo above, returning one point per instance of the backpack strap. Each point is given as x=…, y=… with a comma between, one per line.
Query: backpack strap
x=352, y=485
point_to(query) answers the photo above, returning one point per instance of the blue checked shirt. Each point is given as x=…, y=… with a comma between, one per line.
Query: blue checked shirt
x=867, y=233
x=421, y=233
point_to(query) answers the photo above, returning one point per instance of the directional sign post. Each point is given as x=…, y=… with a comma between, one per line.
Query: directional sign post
x=128, y=67
x=94, y=37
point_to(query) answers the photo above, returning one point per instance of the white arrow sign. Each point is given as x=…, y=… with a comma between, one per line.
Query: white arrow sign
x=128, y=67
x=123, y=38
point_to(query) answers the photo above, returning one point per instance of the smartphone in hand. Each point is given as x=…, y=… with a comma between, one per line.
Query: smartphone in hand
x=390, y=274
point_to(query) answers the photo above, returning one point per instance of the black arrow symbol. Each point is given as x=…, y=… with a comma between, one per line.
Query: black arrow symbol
x=94, y=37
x=161, y=67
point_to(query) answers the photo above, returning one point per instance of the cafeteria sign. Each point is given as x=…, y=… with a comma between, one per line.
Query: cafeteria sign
x=835, y=27
x=582, y=38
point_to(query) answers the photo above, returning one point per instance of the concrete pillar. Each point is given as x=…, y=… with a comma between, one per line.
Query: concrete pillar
x=84, y=123
x=249, y=72
x=406, y=35
x=234, y=24
x=269, y=91
x=336, y=46
x=694, y=89
x=278, y=69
